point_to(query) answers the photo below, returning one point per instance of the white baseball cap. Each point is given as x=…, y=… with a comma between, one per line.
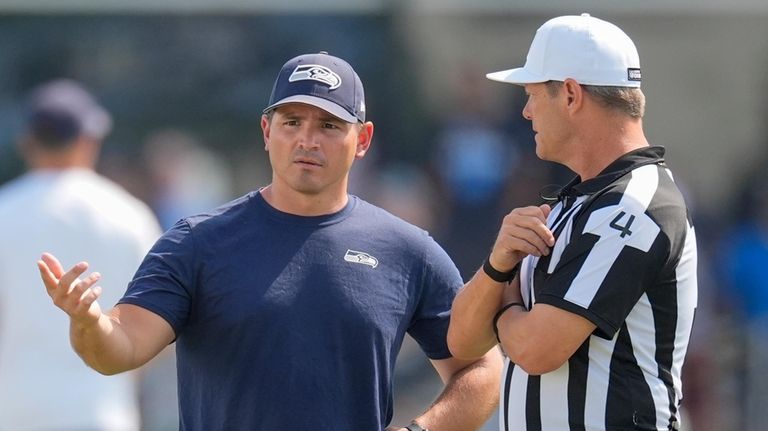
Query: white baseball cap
x=584, y=48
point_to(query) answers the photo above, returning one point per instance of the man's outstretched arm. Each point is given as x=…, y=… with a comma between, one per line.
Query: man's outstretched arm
x=122, y=339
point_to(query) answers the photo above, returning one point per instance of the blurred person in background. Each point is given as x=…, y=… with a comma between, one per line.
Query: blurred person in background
x=186, y=177
x=407, y=192
x=473, y=160
x=289, y=305
x=593, y=298
x=61, y=204
x=744, y=256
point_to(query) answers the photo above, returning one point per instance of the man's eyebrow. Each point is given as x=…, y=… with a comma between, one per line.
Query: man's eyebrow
x=290, y=114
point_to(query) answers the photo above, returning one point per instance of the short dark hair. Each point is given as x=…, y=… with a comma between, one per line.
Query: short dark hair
x=53, y=129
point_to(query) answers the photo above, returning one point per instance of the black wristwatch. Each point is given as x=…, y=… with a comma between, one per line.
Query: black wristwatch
x=415, y=427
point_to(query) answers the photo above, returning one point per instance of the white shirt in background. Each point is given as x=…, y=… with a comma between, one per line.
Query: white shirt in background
x=77, y=215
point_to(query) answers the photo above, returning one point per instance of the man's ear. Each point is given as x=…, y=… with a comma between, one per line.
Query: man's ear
x=574, y=94
x=364, y=138
x=265, y=124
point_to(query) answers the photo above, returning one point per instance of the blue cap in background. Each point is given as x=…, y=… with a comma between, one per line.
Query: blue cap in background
x=62, y=110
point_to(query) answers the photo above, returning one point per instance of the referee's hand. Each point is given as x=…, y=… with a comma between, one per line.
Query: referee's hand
x=523, y=232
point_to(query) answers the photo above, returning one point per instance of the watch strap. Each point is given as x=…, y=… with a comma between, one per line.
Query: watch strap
x=498, y=276
x=413, y=426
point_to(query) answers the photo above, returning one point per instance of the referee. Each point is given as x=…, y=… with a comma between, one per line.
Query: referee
x=592, y=298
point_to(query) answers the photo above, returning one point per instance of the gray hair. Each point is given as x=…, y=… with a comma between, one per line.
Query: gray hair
x=627, y=100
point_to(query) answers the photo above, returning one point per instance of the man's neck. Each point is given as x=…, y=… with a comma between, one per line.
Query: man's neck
x=81, y=153
x=602, y=148
x=56, y=164
x=294, y=202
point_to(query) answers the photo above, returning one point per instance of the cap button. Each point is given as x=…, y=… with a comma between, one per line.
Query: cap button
x=323, y=52
x=585, y=15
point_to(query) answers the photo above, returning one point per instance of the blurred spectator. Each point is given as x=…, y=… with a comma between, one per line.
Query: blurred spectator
x=473, y=158
x=745, y=259
x=186, y=177
x=61, y=205
x=406, y=191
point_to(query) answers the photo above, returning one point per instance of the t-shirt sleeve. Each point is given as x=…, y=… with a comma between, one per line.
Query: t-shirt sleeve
x=603, y=271
x=441, y=282
x=165, y=281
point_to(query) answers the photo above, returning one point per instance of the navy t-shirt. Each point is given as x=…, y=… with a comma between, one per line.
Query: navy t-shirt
x=286, y=322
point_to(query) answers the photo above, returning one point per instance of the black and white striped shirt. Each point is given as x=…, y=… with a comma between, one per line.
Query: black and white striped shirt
x=625, y=259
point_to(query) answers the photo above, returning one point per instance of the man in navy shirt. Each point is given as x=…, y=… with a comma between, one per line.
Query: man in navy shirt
x=289, y=305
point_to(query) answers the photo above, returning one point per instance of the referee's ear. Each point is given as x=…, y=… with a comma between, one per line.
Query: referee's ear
x=574, y=94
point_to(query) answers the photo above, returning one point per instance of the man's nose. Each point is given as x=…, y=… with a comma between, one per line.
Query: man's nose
x=308, y=138
x=527, y=112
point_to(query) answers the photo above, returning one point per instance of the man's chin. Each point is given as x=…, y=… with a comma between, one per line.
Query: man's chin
x=307, y=187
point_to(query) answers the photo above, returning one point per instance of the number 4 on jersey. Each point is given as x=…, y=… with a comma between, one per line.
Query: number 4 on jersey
x=635, y=228
x=623, y=229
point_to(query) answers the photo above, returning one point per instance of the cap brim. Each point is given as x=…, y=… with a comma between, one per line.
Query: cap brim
x=518, y=76
x=326, y=105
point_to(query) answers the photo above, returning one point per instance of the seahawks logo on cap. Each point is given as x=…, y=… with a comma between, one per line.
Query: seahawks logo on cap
x=315, y=72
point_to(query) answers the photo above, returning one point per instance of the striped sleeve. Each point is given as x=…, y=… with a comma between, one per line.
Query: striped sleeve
x=615, y=248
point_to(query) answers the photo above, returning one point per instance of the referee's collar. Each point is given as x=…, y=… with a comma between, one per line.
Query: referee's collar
x=621, y=166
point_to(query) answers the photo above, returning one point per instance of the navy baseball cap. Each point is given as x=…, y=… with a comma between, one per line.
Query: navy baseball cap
x=320, y=80
x=61, y=110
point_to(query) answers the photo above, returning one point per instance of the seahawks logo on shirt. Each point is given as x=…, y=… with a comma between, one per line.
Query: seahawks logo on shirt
x=361, y=257
x=315, y=72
